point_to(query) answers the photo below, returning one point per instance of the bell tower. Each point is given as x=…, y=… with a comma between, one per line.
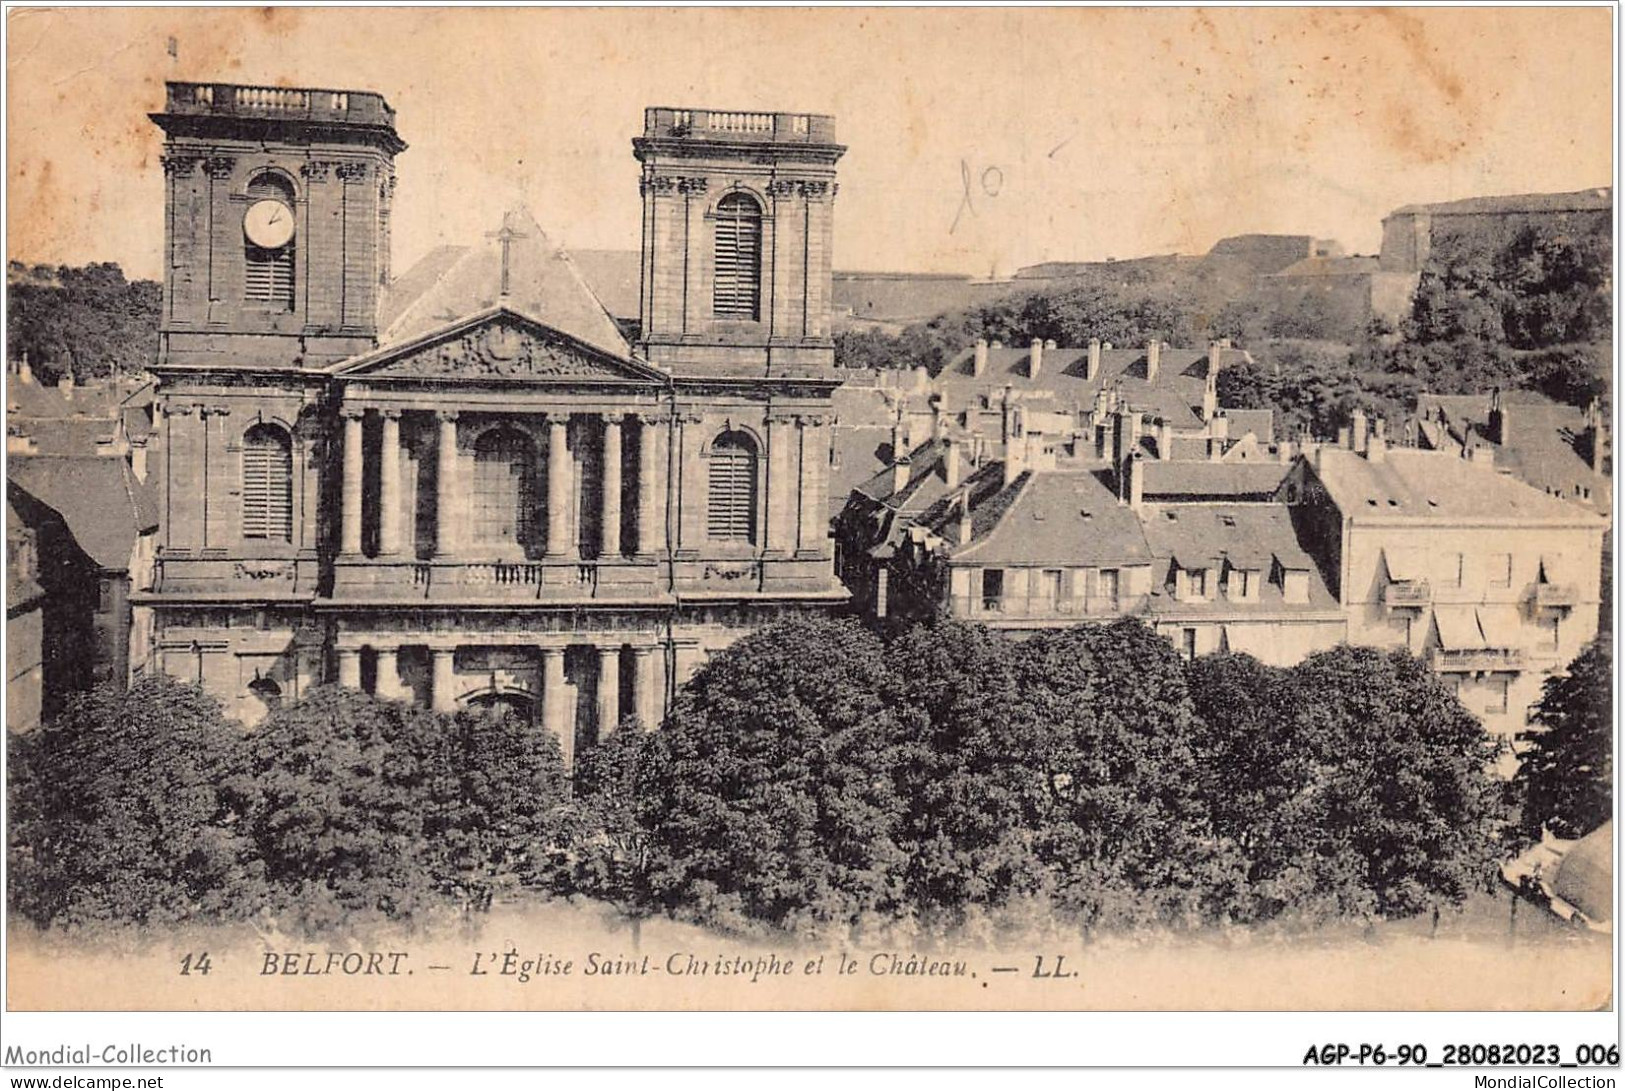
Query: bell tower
x=738, y=223
x=276, y=223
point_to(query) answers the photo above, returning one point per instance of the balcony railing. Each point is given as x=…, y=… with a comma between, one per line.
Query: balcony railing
x=1556, y=596
x=1407, y=594
x=304, y=103
x=1478, y=660
x=516, y=580
x=1011, y=607
x=662, y=121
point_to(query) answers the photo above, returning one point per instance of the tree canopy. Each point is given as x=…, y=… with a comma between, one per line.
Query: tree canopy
x=1566, y=776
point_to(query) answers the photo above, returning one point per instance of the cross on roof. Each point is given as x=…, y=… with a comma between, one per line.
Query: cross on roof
x=506, y=237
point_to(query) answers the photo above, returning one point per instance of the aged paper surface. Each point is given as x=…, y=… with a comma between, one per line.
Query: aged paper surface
x=979, y=141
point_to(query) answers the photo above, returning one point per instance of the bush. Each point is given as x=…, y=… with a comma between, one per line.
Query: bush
x=972, y=773
x=361, y=807
x=768, y=794
x=116, y=814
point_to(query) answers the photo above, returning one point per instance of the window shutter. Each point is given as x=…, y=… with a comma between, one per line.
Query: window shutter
x=269, y=277
x=731, y=507
x=736, y=285
x=267, y=485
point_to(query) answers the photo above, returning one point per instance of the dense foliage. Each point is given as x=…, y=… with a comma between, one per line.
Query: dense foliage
x=813, y=776
x=88, y=321
x=115, y=811
x=1567, y=773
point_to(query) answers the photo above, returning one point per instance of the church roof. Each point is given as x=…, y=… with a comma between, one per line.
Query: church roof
x=451, y=283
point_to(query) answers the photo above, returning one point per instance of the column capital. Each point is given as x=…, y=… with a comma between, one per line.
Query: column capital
x=352, y=412
x=390, y=414
x=446, y=416
x=650, y=416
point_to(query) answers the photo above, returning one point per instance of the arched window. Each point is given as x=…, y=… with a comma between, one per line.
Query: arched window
x=504, y=489
x=731, y=510
x=268, y=243
x=267, y=484
x=737, y=289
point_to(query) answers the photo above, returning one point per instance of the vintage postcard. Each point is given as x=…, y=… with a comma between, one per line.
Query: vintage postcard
x=817, y=509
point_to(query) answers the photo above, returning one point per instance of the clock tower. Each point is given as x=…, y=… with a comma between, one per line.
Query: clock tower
x=276, y=223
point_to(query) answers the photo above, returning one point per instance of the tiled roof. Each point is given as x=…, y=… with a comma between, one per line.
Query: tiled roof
x=1248, y=535
x=1176, y=395
x=1260, y=422
x=1544, y=440
x=1061, y=517
x=453, y=283
x=1432, y=485
x=100, y=500
x=1215, y=480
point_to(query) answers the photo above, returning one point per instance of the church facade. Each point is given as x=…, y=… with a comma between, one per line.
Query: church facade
x=464, y=485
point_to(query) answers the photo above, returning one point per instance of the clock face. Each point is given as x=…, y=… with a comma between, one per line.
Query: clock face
x=268, y=224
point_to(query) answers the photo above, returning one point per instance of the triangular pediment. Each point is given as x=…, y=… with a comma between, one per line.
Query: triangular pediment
x=498, y=345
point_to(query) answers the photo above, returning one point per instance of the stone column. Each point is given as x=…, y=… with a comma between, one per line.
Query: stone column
x=350, y=668
x=350, y=503
x=779, y=430
x=443, y=687
x=609, y=689
x=643, y=687
x=560, y=533
x=446, y=507
x=610, y=501
x=553, y=702
x=387, y=683
x=651, y=490
x=389, y=485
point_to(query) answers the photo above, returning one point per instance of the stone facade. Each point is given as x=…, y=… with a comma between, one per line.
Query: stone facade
x=479, y=505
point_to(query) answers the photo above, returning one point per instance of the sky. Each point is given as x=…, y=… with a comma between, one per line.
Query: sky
x=980, y=140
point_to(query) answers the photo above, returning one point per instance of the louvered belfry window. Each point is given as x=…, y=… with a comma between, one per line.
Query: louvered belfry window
x=267, y=484
x=504, y=489
x=731, y=508
x=737, y=289
x=269, y=276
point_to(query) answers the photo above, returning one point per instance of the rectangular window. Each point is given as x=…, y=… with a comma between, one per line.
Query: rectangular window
x=1108, y=586
x=1495, y=695
x=1241, y=584
x=1187, y=646
x=992, y=588
x=1500, y=569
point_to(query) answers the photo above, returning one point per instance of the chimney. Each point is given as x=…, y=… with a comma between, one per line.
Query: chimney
x=1219, y=427
x=1015, y=461
x=1379, y=427
x=996, y=343
x=1376, y=448
x=978, y=449
x=1483, y=455
x=1136, y=481
x=65, y=385
x=1153, y=360
x=1215, y=354
x=1210, y=401
x=1165, y=441
x=899, y=439
x=1092, y=371
x=1215, y=448
x=1050, y=343
x=978, y=362
x=939, y=421
x=950, y=464
x=1357, y=429
x=965, y=525
x=1283, y=451
x=1035, y=358
x=899, y=474
x=1498, y=419
x=25, y=374
x=1343, y=437
x=1599, y=441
